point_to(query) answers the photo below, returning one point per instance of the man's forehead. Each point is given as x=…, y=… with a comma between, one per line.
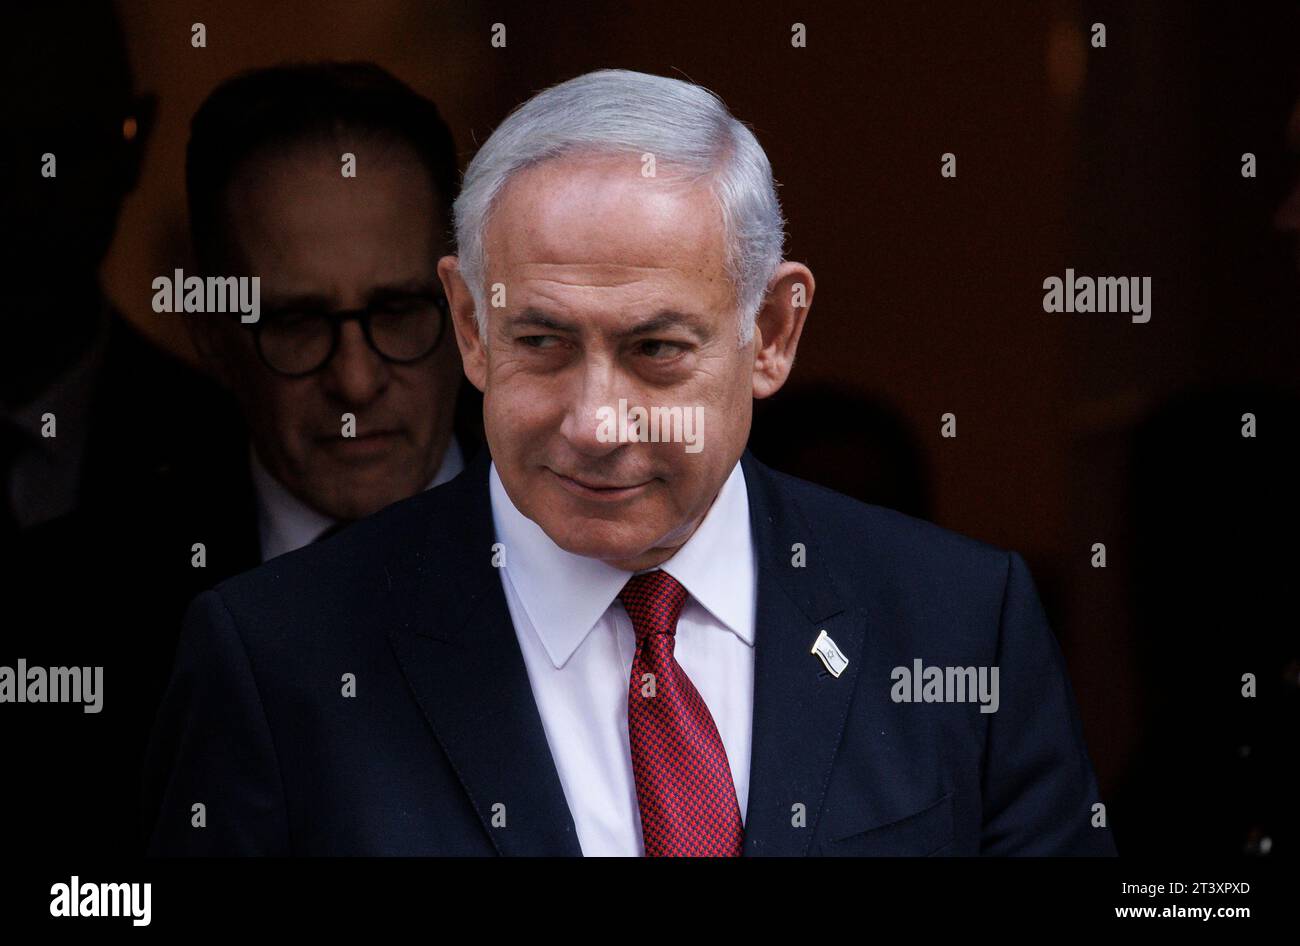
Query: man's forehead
x=638, y=322
x=311, y=168
x=600, y=210
x=615, y=300
x=295, y=204
x=337, y=259
x=592, y=275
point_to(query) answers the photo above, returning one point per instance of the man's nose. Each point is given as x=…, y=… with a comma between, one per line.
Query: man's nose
x=356, y=374
x=587, y=424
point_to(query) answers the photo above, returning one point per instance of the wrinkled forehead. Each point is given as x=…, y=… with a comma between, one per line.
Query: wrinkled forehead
x=605, y=210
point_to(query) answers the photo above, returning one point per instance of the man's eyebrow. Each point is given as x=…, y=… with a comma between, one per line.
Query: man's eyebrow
x=313, y=301
x=539, y=319
x=670, y=318
x=663, y=319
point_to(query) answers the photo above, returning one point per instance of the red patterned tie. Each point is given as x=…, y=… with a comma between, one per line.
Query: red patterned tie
x=683, y=782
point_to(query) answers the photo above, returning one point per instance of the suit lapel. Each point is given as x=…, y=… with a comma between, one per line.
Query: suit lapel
x=799, y=707
x=458, y=651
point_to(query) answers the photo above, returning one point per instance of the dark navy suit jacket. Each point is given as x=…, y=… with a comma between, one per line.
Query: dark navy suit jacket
x=441, y=750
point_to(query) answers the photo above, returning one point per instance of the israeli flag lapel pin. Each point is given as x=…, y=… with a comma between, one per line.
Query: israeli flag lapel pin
x=829, y=653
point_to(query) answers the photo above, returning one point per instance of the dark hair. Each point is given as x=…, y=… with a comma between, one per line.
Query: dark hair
x=267, y=109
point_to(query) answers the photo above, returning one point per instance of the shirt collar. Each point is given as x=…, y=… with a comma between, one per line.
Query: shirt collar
x=286, y=523
x=717, y=564
x=565, y=595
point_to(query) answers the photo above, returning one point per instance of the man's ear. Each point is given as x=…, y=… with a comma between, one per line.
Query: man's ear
x=473, y=353
x=779, y=324
x=144, y=110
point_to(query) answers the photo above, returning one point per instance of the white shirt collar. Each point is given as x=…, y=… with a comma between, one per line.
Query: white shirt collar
x=286, y=523
x=565, y=595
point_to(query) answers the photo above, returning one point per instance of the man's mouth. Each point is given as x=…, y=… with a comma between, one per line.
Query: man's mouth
x=603, y=490
x=367, y=446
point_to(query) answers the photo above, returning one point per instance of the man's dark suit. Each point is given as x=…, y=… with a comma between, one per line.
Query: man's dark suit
x=106, y=584
x=442, y=741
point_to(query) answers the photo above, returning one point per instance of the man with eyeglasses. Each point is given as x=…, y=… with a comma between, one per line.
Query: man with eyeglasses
x=332, y=183
x=95, y=422
x=347, y=386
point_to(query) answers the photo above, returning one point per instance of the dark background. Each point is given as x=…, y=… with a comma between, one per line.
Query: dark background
x=1072, y=429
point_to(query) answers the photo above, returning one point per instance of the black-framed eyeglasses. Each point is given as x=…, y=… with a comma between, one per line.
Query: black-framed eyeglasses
x=401, y=328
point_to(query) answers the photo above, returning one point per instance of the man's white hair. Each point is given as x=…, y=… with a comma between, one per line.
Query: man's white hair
x=685, y=127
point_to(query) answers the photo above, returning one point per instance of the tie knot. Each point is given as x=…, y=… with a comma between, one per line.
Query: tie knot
x=653, y=601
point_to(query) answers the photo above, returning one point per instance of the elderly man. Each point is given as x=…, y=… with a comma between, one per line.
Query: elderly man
x=616, y=633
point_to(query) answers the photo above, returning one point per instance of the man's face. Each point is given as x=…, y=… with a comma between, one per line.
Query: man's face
x=320, y=241
x=615, y=290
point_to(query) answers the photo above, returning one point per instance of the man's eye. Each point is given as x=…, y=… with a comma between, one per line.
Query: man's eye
x=660, y=350
x=539, y=341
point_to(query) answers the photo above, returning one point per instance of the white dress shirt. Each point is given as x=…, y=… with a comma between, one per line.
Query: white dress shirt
x=286, y=523
x=578, y=645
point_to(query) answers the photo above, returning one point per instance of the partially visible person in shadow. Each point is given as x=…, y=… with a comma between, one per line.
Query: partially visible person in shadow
x=1214, y=516
x=80, y=418
x=92, y=417
x=837, y=438
x=346, y=384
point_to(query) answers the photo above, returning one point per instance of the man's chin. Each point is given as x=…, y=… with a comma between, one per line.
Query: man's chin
x=592, y=543
x=357, y=503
